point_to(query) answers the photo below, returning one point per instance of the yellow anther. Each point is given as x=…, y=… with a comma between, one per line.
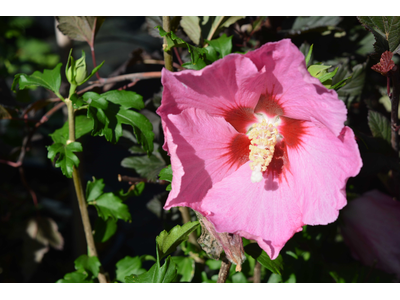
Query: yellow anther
x=263, y=138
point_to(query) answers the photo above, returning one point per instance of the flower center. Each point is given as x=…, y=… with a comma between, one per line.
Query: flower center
x=263, y=138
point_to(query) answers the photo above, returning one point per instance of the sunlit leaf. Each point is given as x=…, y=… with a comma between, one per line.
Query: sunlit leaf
x=49, y=79
x=167, y=273
x=190, y=25
x=185, y=267
x=127, y=266
x=168, y=241
x=88, y=264
x=275, y=266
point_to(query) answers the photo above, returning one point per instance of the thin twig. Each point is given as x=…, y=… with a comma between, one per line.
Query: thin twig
x=92, y=47
x=257, y=272
x=224, y=270
x=161, y=62
x=132, y=77
x=167, y=54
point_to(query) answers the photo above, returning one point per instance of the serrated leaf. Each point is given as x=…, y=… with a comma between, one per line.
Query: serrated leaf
x=75, y=277
x=185, y=267
x=127, y=99
x=142, y=127
x=104, y=230
x=386, y=30
x=109, y=205
x=190, y=25
x=83, y=125
x=222, y=45
x=146, y=166
x=88, y=264
x=353, y=88
x=173, y=41
x=49, y=79
x=67, y=158
x=275, y=266
x=112, y=109
x=379, y=125
x=79, y=28
x=168, y=241
x=128, y=265
x=166, y=274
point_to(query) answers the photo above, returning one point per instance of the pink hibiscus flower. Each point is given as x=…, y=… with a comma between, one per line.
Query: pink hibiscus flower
x=257, y=145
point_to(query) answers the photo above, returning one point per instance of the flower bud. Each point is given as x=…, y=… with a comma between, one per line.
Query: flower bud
x=80, y=69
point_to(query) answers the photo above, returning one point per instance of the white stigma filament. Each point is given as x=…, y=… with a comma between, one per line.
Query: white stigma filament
x=263, y=137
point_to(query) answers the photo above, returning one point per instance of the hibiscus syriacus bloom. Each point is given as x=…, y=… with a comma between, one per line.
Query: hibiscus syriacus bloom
x=258, y=146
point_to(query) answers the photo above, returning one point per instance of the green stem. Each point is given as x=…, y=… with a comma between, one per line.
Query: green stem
x=167, y=54
x=79, y=191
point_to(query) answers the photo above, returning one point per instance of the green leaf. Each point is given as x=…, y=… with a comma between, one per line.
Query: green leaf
x=166, y=174
x=239, y=278
x=126, y=99
x=321, y=24
x=275, y=266
x=83, y=125
x=67, y=158
x=146, y=166
x=190, y=25
x=353, y=88
x=222, y=45
x=308, y=57
x=318, y=70
x=129, y=265
x=221, y=21
x=142, y=127
x=168, y=241
x=112, y=109
x=379, y=125
x=104, y=230
x=386, y=30
x=94, y=189
x=110, y=205
x=166, y=274
x=75, y=277
x=173, y=41
x=93, y=72
x=88, y=264
x=185, y=267
x=49, y=79
x=79, y=28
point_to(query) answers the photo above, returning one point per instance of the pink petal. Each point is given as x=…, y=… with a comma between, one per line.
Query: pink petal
x=321, y=167
x=292, y=88
x=204, y=149
x=232, y=83
x=309, y=191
